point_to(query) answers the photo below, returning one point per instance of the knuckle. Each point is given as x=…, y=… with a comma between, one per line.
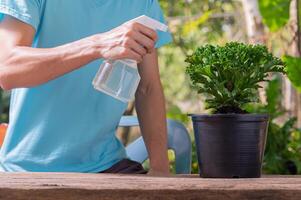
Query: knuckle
x=150, y=44
x=124, y=52
x=128, y=25
x=126, y=41
x=129, y=33
x=134, y=25
x=131, y=26
x=155, y=36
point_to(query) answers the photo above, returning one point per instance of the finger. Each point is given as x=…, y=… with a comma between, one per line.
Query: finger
x=148, y=32
x=137, y=48
x=145, y=42
x=130, y=54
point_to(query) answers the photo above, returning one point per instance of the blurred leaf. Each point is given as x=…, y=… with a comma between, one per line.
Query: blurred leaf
x=282, y=153
x=1, y=102
x=4, y=106
x=273, y=94
x=275, y=13
x=172, y=159
x=175, y=113
x=293, y=70
x=194, y=25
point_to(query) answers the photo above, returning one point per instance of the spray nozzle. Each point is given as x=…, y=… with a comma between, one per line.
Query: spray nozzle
x=151, y=23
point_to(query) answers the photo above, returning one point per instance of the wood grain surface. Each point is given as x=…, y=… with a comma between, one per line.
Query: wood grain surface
x=65, y=186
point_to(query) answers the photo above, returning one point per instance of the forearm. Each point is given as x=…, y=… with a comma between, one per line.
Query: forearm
x=28, y=67
x=150, y=105
x=24, y=66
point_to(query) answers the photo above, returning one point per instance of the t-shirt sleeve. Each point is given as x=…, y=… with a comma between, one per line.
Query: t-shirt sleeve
x=27, y=11
x=156, y=13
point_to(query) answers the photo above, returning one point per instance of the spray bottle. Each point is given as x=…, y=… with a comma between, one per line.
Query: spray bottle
x=120, y=78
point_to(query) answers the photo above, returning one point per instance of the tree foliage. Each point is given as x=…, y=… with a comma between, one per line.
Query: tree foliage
x=283, y=148
x=293, y=70
x=4, y=106
x=230, y=75
x=275, y=13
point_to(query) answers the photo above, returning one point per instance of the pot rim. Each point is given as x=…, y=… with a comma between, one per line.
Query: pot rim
x=237, y=117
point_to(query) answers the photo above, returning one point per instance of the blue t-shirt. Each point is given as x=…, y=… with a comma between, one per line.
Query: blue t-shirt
x=65, y=125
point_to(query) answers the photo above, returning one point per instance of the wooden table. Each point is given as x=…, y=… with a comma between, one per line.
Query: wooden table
x=65, y=186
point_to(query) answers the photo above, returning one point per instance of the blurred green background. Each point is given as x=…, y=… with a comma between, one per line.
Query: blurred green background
x=193, y=23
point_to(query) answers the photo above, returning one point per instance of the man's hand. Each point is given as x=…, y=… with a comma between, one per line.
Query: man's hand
x=130, y=40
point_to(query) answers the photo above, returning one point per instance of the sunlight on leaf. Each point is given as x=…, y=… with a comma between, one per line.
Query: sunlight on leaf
x=293, y=70
x=275, y=13
x=194, y=25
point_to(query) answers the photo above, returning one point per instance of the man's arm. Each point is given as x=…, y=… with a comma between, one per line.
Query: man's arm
x=150, y=105
x=24, y=66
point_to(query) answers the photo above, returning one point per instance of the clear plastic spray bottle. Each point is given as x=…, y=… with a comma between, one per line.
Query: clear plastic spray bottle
x=120, y=78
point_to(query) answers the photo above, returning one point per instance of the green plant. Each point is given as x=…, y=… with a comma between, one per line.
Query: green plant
x=293, y=70
x=275, y=13
x=4, y=106
x=283, y=148
x=230, y=75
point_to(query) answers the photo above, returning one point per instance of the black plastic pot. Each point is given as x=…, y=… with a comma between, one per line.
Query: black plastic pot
x=230, y=145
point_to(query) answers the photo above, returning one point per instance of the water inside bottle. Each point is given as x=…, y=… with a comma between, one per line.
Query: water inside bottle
x=117, y=79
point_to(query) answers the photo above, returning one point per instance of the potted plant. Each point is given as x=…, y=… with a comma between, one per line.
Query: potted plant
x=230, y=142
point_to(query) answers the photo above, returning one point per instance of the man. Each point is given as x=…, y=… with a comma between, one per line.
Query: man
x=50, y=53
